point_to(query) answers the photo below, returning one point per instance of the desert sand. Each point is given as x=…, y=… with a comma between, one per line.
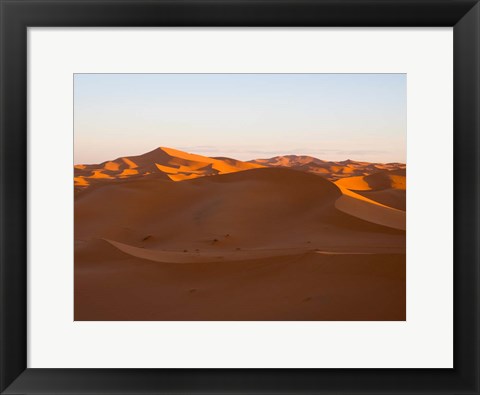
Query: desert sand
x=175, y=236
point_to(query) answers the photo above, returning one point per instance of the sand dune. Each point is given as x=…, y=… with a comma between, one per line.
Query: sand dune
x=176, y=165
x=386, y=187
x=179, y=165
x=232, y=242
x=361, y=207
x=331, y=170
x=394, y=198
x=386, y=179
x=255, y=208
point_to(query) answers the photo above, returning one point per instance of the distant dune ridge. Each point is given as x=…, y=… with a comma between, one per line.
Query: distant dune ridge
x=178, y=166
x=170, y=235
x=331, y=170
x=171, y=163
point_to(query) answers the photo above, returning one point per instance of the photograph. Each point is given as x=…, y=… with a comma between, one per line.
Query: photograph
x=240, y=197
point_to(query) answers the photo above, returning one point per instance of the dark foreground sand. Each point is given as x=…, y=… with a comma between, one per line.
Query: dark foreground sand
x=308, y=286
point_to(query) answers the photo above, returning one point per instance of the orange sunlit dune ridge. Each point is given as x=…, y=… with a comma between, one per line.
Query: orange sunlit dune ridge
x=385, y=179
x=170, y=163
x=175, y=165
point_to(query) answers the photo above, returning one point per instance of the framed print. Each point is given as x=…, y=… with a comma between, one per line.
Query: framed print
x=247, y=197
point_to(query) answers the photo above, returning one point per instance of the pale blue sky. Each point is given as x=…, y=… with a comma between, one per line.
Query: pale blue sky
x=244, y=116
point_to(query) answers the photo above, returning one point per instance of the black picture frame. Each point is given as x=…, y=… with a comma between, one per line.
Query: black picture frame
x=18, y=15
